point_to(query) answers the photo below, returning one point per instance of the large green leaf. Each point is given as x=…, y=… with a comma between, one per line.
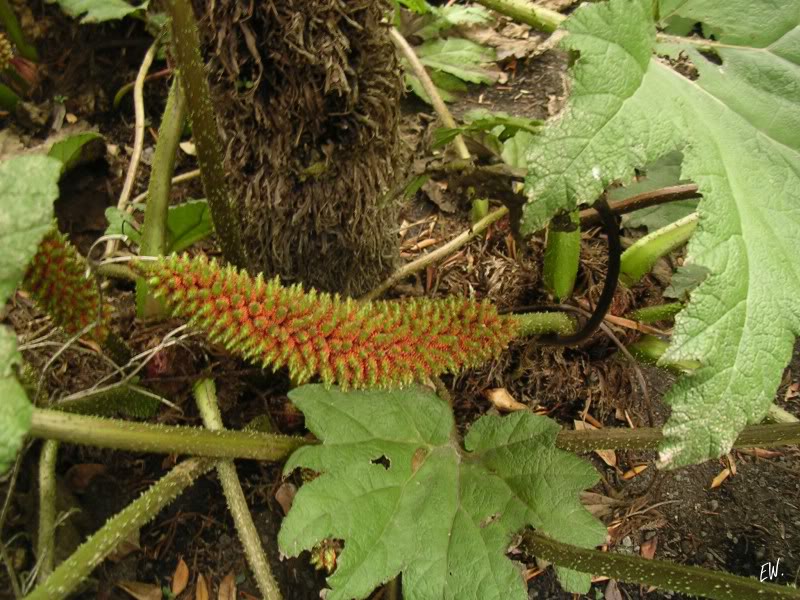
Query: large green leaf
x=15, y=409
x=28, y=188
x=738, y=125
x=404, y=497
x=97, y=11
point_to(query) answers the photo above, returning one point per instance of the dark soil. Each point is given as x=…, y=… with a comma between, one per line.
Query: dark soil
x=750, y=520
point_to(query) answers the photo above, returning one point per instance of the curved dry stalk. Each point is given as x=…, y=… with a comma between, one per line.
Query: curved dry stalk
x=430, y=88
x=138, y=140
x=443, y=251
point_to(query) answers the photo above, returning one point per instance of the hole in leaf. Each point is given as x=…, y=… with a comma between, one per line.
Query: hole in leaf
x=711, y=56
x=382, y=461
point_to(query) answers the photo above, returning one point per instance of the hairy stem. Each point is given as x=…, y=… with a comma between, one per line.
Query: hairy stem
x=695, y=581
x=526, y=12
x=143, y=437
x=649, y=438
x=154, y=231
x=91, y=553
x=140, y=437
x=541, y=323
x=206, y=396
x=46, y=535
x=186, y=45
x=640, y=258
x=562, y=255
x=659, y=312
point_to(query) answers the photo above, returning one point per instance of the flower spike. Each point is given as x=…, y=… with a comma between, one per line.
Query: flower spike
x=56, y=279
x=346, y=342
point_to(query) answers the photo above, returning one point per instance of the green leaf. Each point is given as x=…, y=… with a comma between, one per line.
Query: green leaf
x=417, y=6
x=28, y=188
x=122, y=223
x=404, y=497
x=516, y=149
x=464, y=59
x=684, y=281
x=98, y=11
x=15, y=409
x=188, y=223
x=78, y=149
x=415, y=85
x=738, y=125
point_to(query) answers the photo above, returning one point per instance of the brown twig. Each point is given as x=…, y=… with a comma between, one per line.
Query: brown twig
x=653, y=198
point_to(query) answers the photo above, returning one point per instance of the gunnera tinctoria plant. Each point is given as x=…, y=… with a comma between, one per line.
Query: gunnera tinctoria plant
x=307, y=93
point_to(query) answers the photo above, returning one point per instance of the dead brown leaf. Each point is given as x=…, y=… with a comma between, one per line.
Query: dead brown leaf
x=285, y=496
x=141, y=591
x=227, y=589
x=607, y=456
x=612, y=591
x=180, y=578
x=503, y=401
x=201, y=589
x=648, y=548
x=633, y=471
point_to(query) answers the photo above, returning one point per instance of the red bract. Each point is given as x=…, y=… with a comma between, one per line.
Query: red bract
x=56, y=279
x=350, y=343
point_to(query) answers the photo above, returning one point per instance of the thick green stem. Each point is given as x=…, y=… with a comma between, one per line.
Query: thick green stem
x=562, y=255
x=694, y=581
x=154, y=232
x=660, y=312
x=186, y=45
x=8, y=98
x=640, y=258
x=140, y=437
x=143, y=437
x=14, y=31
x=543, y=323
x=46, y=536
x=649, y=438
x=649, y=349
x=526, y=12
x=206, y=396
x=77, y=567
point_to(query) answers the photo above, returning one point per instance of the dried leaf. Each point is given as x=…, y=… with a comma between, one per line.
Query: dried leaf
x=648, y=548
x=180, y=578
x=612, y=591
x=633, y=472
x=503, y=401
x=201, y=589
x=723, y=475
x=227, y=589
x=285, y=496
x=141, y=591
x=607, y=456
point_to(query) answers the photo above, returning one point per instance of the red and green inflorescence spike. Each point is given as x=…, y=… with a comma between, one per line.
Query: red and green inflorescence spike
x=56, y=279
x=346, y=342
